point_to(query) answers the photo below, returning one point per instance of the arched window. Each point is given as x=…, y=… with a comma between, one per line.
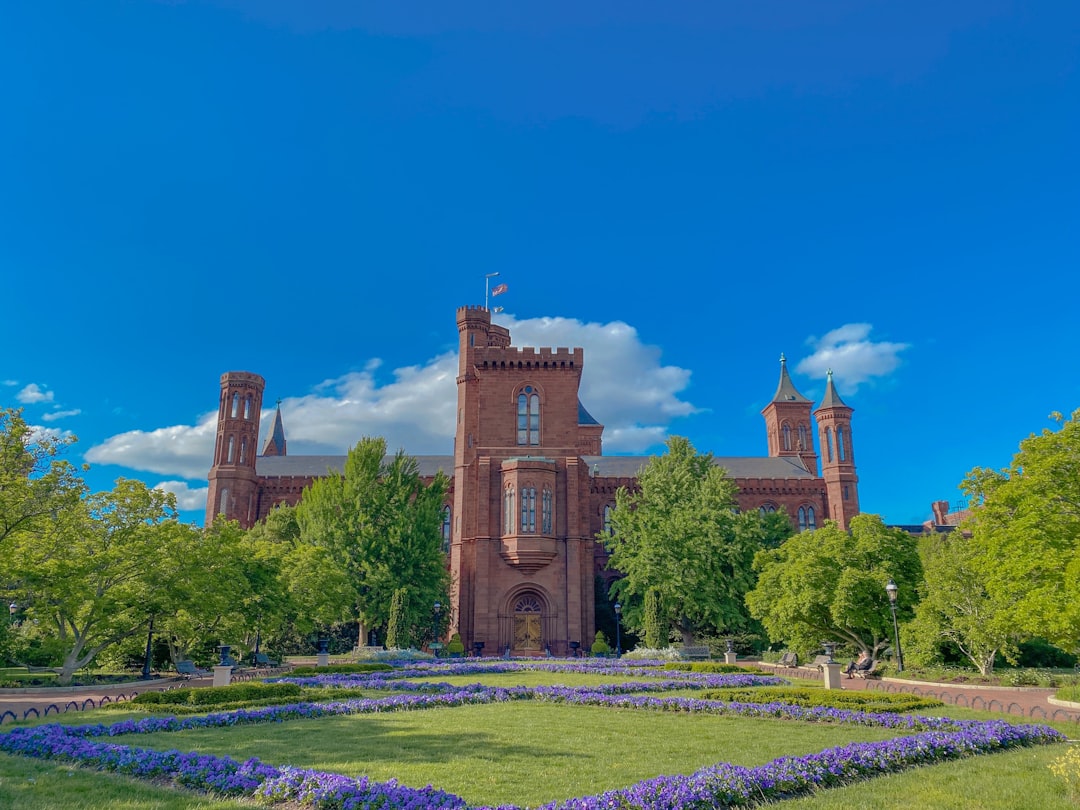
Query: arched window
x=802, y=518
x=767, y=508
x=804, y=439
x=811, y=521
x=828, y=443
x=508, y=511
x=223, y=508
x=528, y=510
x=608, y=509
x=247, y=407
x=446, y=529
x=232, y=450
x=528, y=417
x=841, y=452
x=243, y=450
x=235, y=405
x=786, y=430
x=548, y=509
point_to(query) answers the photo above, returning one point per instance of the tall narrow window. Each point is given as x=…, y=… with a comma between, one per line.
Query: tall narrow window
x=528, y=417
x=508, y=511
x=804, y=442
x=528, y=510
x=811, y=521
x=446, y=523
x=235, y=405
x=232, y=450
x=841, y=451
x=243, y=450
x=223, y=508
x=828, y=443
x=786, y=430
x=608, y=509
x=547, y=512
x=247, y=407
x=802, y=518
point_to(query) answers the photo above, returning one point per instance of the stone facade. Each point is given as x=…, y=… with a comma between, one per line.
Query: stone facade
x=531, y=487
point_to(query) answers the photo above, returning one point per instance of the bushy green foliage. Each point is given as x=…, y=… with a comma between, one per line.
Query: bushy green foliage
x=655, y=636
x=828, y=698
x=395, y=628
x=338, y=669
x=455, y=646
x=708, y=666
x=215, y=695
x=600, y=646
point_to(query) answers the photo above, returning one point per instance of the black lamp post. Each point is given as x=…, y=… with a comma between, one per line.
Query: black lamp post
x=618, y=630
x=891, y=590
x=146, y=659
x=435, y=629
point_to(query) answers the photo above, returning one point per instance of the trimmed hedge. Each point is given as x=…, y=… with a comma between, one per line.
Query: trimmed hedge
x=824, y=698
x=709, y=666
x=218, y=695
x=341, y=669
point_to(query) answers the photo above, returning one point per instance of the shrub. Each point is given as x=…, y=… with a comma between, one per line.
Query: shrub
x=217, y=695
x=824, y=698
x=708, y=666
x=1067, y=768
x=455, y=646
x=341, y=669
x=651, y=654
x=600, y=645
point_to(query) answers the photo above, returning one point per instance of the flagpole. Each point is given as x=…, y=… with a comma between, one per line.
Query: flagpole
x=487, y=286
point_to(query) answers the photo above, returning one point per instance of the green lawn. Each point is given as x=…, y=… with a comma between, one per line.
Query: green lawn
x=529, y=753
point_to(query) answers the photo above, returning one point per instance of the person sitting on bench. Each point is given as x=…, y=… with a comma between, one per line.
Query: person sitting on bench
x=863, y=663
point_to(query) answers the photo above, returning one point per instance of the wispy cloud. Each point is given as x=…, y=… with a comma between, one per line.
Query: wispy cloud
x=11, y=382
x=54, y=415
x=33, y=394
x=624, y=385
x=853, y=357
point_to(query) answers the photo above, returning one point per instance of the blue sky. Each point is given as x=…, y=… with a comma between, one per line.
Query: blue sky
x=308, y=190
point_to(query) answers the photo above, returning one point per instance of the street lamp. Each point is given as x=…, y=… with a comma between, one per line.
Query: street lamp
x=891, y=590
x=618, y=630
x=435, y=629
x=146, y=660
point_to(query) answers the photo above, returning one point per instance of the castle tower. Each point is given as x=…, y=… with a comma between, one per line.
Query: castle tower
x=232, y=476
x=521, y=552
x=837, y=455
x=788, y=424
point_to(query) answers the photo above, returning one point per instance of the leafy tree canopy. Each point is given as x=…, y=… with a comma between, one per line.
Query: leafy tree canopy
x=829, y=585
x=680, y=534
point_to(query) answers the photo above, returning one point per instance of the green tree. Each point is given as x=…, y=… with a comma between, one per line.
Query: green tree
x=680, y=533
x=1025, y=522
x=35, y=483
x=380, y=525
x=655, y=637
x=101, y=570
x=957, y=605
x=829, y=585
x=396, y=629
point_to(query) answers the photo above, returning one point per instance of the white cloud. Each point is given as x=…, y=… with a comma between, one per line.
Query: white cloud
x=188, y=499
x=52, y=417
x=33, y=393
x=182, y=450
x=851, y=355
x=623, y=385
x=11, y=382
x=39, y=433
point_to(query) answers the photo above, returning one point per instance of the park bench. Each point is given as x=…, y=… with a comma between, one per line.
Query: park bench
x=694, y=653
x=821, y=660
x=262, y=660
x=789, y=659
x=189, y=670
x=867, y=673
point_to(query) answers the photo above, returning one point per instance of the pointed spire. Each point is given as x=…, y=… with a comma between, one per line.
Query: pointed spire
x=786, y=391
x=831, y=398
x=275, y=442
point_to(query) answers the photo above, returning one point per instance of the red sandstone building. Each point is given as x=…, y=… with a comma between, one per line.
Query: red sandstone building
x=531, y=488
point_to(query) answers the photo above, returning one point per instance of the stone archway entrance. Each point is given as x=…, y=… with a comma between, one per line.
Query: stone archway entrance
x=527, y=625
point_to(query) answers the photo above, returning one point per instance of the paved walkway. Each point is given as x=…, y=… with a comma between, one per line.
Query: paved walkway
x=1020, y=701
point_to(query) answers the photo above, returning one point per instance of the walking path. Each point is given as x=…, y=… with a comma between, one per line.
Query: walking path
x=1026, y=702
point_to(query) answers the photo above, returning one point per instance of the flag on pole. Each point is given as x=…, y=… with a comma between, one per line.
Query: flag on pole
x=499, y=289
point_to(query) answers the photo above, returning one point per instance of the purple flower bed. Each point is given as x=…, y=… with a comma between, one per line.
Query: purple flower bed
x=930, y=739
